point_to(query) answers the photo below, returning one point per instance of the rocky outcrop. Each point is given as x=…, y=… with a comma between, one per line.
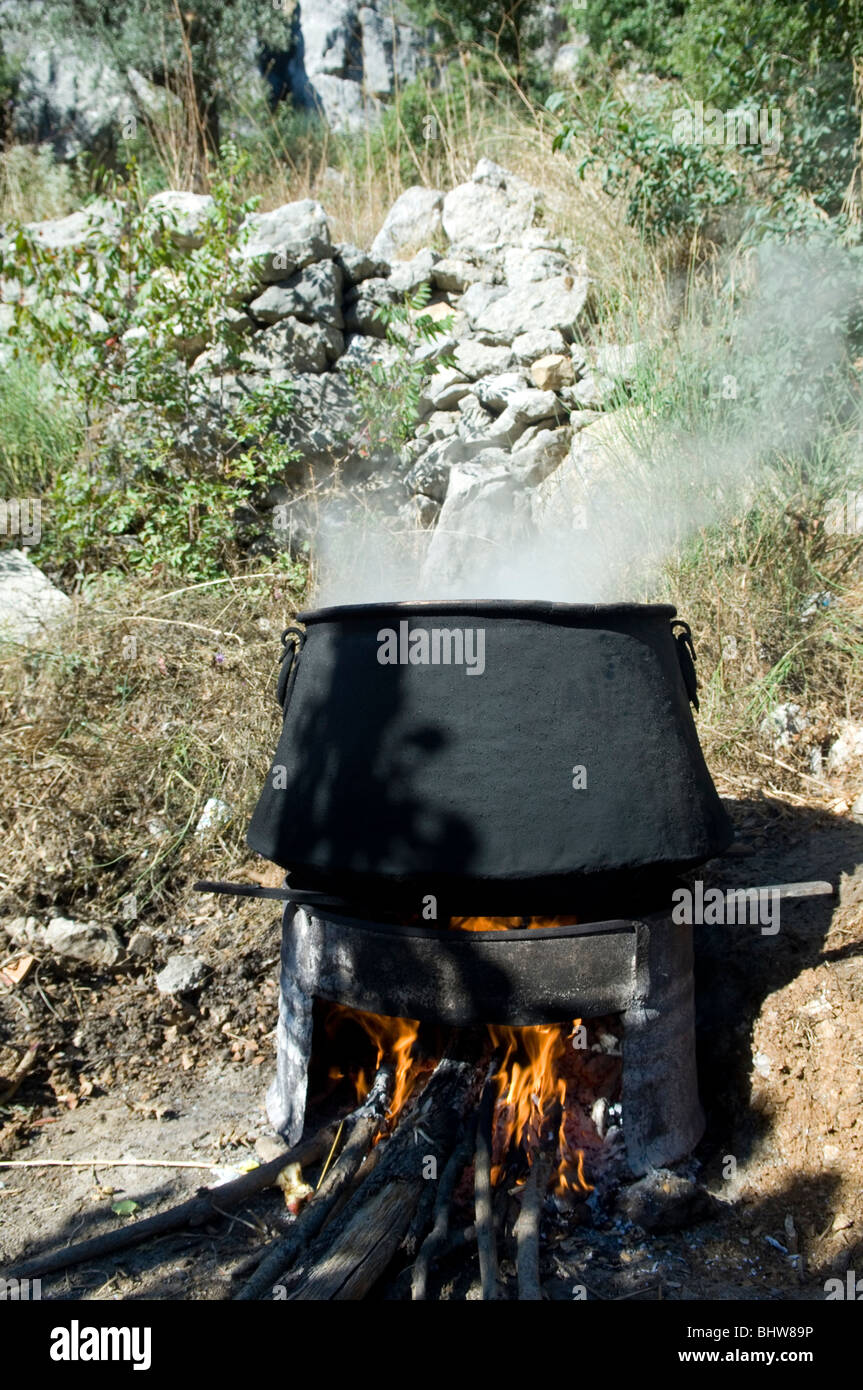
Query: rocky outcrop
x=348, y=57
x=512, y=408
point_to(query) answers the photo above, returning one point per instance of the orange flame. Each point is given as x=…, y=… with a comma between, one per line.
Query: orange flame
x=394, y=1040
x=530, y=1112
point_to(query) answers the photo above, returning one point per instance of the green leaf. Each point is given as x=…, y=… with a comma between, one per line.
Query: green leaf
x=126, y=1207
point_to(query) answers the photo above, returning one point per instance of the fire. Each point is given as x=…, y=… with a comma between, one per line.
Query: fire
x=531, y=1107
x=394, y=1039
x=506, y=923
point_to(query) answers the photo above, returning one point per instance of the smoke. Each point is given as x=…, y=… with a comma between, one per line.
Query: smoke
x=762, y=382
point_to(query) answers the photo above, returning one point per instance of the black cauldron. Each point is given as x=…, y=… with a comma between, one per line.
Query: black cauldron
x=518, y=757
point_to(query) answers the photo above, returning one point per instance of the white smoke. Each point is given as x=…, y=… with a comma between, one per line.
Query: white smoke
x=636, y=486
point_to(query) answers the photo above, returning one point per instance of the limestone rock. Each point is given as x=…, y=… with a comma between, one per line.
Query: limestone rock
x=29, y=602
x=84, y=941
x=413, y=220
x=184, y=215
x=287, y=239
x=552, y=372
x=493, y=208
x=181, y=975
x=313, y=294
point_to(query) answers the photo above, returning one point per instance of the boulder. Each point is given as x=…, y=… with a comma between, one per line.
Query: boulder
x=493, y=208
x=505, y=312
x=346, y=56
x=552, y=372
x=84, y=941
x=357, y=265
x=477, y=359
x=443, y=391
x=276, y=244
x=29, y=602
x=453, y=275
x=98, y=219
x=184, y=215
x=413, y=220
x=407, y=276
x=521, y=267
x=539, y=452
x=363, y=304
x=290, y=347
x=536, y=343
x=526, y=407
x=313, y=295
x=70, y=95
x=487, y=502
x=363, y=351
x=598, y=453
x=496, y=392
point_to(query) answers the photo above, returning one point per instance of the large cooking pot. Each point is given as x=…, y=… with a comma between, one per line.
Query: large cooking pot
x=497, y=756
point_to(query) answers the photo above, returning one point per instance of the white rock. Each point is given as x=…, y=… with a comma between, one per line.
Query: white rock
x=493, y=208
x=413, y=220
x=290, y=237
x=782, y=725
x=313, y=294
x=25, y=931
x=480, y=359
x=496, y=392
x=181, y=974
x=362, y=351
x=291, y=346
x=847, y=748
x=406, y=276
x=454, y=275
x=29, y=602
x=184, y=214
x=98, y=219
x=536, y=343
x=546, y=304
x=527, y=407
x=215, y=815
x=85, y=941
x=444, y=390
x=522, y=267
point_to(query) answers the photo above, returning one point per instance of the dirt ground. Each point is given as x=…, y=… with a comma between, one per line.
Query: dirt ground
x=124, y=1072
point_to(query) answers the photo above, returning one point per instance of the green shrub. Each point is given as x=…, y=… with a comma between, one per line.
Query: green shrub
x=119, y=321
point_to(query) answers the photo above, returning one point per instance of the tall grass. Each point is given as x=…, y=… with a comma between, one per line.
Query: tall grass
x=40, y=432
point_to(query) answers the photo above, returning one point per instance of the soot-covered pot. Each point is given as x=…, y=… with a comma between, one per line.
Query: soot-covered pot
x=503, y=756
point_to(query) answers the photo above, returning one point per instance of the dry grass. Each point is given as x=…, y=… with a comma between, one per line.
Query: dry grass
x=146, y=704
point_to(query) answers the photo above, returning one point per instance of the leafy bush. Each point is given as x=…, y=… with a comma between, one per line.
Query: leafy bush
x=388, y=393
x=120, y=321
x=671, y=186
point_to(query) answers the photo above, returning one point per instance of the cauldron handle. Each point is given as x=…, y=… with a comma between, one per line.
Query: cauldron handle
x=686, y=657
x=293, y=638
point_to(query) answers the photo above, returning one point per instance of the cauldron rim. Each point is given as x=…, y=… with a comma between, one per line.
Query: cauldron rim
x=493, y=607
